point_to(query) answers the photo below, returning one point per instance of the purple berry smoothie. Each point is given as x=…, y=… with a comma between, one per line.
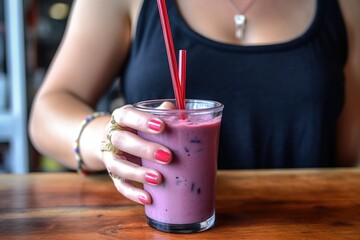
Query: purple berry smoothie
x=187, y=195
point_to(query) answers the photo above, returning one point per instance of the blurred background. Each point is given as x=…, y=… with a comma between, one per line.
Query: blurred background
x=30, y=33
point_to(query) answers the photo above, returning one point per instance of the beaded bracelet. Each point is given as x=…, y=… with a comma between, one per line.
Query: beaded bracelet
x=83, y=124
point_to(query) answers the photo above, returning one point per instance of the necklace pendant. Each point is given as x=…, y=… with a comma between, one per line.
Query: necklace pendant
x=240, y=21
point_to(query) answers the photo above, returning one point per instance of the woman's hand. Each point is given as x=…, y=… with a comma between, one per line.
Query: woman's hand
x=123, y=162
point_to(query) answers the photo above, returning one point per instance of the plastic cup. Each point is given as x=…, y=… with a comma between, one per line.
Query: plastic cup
x=185, y=202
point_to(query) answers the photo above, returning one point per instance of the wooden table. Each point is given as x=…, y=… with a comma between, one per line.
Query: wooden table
x=271, y=204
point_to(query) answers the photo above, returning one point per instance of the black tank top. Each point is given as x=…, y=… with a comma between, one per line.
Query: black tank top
x=282, y=101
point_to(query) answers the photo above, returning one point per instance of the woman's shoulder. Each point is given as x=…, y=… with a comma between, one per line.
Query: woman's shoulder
x=104, y=18
x=105, y=9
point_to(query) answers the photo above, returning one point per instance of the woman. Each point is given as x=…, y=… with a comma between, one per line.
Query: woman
x=282, y=83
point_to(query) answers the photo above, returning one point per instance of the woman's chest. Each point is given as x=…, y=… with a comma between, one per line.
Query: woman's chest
x=267, y=22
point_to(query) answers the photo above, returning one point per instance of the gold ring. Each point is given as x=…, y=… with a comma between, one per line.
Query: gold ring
x=112, y=127
x=106, y=146
x=112, y=120
x=115, y=177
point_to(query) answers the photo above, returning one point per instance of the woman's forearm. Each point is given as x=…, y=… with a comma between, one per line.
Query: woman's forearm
x=55, y=124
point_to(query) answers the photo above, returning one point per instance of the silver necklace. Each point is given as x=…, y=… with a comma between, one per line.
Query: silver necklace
x=240, y=19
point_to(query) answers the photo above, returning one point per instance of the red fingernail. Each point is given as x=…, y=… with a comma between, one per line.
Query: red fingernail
x=162, y=156
x=151, y=178
x=154, y=125
x=142, y=199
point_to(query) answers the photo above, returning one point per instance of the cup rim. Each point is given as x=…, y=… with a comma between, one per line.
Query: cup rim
x=217, y=106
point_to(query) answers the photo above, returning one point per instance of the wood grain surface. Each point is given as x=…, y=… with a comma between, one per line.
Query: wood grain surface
x=262, y=204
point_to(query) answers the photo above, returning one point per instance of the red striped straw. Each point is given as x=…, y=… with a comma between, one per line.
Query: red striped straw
x=171, y=54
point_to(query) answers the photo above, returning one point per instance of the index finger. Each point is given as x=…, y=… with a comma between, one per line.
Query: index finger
x=128, y=116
